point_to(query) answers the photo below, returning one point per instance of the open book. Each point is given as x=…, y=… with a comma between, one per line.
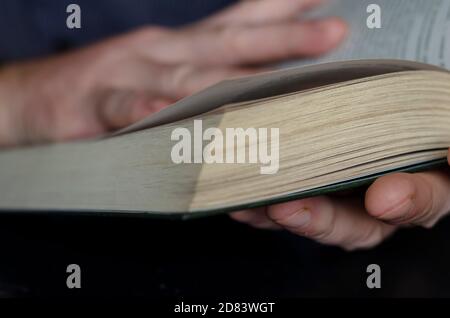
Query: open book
x=247, y=142
x=416, y=30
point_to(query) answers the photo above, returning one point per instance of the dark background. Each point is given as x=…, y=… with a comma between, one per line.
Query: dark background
x=213, y=257
x=30, y=28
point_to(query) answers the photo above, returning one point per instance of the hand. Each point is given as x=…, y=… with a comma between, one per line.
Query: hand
x=116, y=82
x=392, y=201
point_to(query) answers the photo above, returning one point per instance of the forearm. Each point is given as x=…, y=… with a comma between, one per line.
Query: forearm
x=20, y=97
x=8, y=106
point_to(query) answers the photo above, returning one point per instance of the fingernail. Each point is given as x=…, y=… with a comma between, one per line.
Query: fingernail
x=300, y=218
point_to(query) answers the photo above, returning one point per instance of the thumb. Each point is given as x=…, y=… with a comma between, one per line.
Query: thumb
x=410, y=199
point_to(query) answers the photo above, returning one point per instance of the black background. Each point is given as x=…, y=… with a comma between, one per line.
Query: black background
x=211, y=257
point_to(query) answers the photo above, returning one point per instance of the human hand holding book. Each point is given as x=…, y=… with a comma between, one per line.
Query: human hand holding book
x=361, y=220
x=396, y=200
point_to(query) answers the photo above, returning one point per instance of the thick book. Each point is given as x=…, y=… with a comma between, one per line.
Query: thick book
x=368, y=109
x=245, y=143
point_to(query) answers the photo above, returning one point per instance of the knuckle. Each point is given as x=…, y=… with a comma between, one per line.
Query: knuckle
x=323, y=233
x=430, y=219
x=233, y=43
x=323, y=229
x=428, y=215
x=280, y=216
x=177, y=81
x=369, y=238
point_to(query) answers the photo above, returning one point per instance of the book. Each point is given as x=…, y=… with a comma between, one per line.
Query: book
x=415, y=30
x=326, y=125
x=294, y=133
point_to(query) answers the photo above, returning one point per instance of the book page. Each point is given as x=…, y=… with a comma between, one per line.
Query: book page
x=417, y=30
x=271, y=84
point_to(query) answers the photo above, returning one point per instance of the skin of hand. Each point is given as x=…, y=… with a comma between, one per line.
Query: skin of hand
x=357, y=222
x=114, y=83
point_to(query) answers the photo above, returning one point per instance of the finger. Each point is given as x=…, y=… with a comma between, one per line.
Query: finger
x=186, y=80
x=256, y=218
x=259, y=12
x=117, y=108
x=341, y=222
x=173, y=81
x=250, y=44
x=402, y=198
